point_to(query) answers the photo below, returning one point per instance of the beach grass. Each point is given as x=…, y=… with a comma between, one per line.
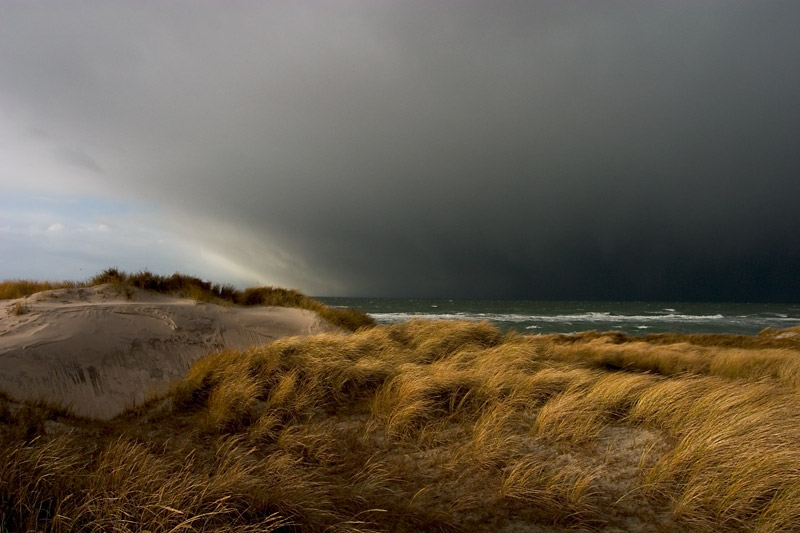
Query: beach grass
x=430, y=426
x=20, y=288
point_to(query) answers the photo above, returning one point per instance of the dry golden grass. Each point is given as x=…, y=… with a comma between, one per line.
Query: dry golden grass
x=430, y=426
x=766, y=357
x=12, y=289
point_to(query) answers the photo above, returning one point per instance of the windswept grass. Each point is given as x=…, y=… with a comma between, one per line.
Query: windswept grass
x=767, y=356
x=186, y=286
x=20, y=288
x=345, y=318
x=430, y=426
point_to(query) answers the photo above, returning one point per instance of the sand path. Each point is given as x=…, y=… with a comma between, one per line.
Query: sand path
x=98, y=352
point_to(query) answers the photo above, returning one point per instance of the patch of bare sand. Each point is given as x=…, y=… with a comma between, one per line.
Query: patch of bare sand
x=98, y=351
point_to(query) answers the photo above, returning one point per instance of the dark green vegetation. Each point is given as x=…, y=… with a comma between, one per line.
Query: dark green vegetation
x=431, y=426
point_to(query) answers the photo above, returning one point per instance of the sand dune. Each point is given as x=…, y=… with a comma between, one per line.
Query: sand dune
x=99, y=351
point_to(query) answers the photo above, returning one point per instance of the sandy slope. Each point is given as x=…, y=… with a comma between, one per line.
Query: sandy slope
x=98, y=351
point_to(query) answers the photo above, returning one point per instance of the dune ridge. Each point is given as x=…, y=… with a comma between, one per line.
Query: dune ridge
x=98, y=350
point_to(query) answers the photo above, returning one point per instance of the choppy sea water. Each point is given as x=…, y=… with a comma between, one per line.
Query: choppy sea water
x=636, y=318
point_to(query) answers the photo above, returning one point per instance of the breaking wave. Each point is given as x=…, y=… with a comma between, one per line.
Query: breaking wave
x=389, y=318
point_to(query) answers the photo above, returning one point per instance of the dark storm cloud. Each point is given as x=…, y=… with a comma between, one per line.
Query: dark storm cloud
x=517, y=149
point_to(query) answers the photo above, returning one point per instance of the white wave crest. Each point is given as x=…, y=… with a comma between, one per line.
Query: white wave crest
x=602, y=317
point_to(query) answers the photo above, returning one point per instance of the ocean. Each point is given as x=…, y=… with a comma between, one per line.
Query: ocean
x=635, y=318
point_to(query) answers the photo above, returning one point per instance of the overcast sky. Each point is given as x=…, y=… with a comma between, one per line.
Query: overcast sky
x=549, y=149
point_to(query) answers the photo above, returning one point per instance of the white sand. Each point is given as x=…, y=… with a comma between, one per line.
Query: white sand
x=98, y=352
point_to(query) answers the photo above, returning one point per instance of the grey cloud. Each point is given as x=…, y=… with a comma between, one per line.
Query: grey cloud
x=78, y=157
x=515, y=149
